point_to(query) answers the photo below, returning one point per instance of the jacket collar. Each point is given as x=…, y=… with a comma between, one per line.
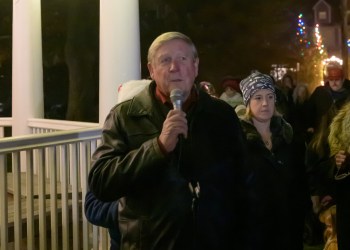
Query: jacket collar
x=142, y=103
x=279, y=127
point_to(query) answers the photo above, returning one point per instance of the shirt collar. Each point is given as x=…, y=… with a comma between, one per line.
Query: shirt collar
x=193, y=97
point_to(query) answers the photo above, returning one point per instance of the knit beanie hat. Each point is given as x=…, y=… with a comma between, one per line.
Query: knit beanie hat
x=230, y=81
x=255, y=82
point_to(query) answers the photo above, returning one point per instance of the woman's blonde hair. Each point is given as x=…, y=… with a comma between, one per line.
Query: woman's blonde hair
x=328, y=217
x=319, y=139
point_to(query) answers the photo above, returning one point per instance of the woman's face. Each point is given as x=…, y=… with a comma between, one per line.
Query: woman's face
x=262, y=105
x=302, y=93
x=230, y=91
x=288, y=82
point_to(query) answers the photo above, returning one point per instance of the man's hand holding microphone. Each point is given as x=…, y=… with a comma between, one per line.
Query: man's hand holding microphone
x=175, y=125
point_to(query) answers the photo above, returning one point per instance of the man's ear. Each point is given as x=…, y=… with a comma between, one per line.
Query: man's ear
x=150, y=69
x=196, y=65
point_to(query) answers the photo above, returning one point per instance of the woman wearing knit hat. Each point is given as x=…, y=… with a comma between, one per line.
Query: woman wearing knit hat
x=275, y=192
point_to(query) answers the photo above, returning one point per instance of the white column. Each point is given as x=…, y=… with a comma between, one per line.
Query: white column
x=120, y=57
x=27, y=75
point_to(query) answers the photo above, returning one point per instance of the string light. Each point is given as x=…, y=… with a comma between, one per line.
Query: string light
x=333, y=59
x=319, y=44
x=302, y=35
x=311, y=51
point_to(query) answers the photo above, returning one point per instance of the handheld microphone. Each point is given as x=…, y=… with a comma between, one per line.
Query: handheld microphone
x=176, y=97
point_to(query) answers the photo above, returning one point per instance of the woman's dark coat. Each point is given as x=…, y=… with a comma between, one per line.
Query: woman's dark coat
x=275, y=190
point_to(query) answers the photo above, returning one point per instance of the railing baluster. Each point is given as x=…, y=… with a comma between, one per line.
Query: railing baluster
x=42, y=197
x=30, y=200
x=74, y=157
x=85, y=154
x=64, y=156
x=3, y=201
x=95, y=237
x=51, y=160
x=17, y=208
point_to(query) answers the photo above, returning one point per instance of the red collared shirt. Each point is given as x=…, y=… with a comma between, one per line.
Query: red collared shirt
x=186, y=105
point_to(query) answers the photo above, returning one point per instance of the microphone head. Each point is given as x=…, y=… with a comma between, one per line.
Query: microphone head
x=176, y=97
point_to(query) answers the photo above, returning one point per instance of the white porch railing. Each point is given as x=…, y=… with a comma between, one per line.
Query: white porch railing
x=45, y=125
x=42, y=207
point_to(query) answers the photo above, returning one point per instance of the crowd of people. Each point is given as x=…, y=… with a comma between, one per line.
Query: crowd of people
x=245, y=169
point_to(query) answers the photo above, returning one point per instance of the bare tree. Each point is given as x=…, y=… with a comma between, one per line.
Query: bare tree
x=81, y=52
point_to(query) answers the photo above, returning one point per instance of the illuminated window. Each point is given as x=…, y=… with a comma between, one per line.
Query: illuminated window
x=322, y=15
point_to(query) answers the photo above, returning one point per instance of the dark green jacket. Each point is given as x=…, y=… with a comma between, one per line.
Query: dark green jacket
x=157, y=209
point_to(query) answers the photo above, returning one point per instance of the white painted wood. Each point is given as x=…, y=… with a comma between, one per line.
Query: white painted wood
x=30, y=202
x=49, y=199
x=27, y=72
x=3, y=202
x=51, y=168
x=17, y=199
x=120, y=57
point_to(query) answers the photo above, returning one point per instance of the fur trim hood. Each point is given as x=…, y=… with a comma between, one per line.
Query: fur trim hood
x=339, y=134
x=280, y=128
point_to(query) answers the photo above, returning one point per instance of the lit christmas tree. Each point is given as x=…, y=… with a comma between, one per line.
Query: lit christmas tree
x=311, y=54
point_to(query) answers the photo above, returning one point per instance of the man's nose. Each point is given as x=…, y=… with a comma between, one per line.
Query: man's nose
x=174, y=65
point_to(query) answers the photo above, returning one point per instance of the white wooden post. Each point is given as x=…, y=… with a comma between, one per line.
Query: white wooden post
x=120, y=58
x=27, y=72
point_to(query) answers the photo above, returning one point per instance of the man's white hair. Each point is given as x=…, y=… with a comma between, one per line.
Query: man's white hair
x=131, y=88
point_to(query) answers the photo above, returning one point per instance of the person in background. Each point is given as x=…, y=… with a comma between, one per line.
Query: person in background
x=297, y=117
x=103, y=214
x=174, y=172
x=336, y=90
x=288, y=86
x=298, y=114
x=329, y=217
x=301, y=93
x=240, y=110
x=275, y=187
x=129, y=89
x=339, y=143
x=208, y=87
x=323, y=105
x=284, y=93
x=232, y=94
x=320, y=176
